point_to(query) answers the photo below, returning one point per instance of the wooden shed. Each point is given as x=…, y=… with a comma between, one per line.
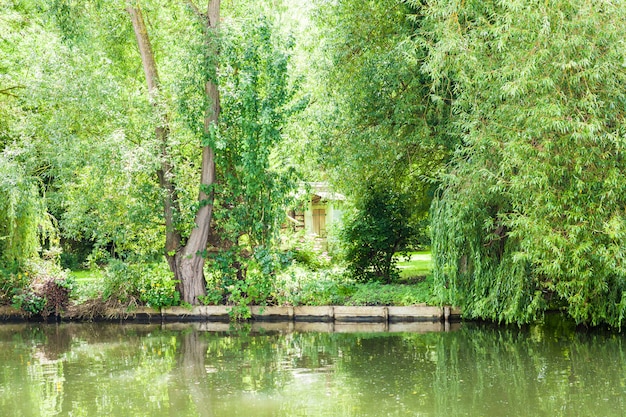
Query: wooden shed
x=322, y=208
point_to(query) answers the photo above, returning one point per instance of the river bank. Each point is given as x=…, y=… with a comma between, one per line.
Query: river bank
x=304, y=314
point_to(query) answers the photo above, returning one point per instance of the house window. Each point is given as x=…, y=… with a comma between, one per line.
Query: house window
x=319, y=221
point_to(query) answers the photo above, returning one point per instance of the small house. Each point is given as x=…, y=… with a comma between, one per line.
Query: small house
x=322, y=208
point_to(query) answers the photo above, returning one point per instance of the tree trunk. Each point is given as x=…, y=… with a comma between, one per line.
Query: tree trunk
x=193, y=255
x=186, y=262
x=164, y=173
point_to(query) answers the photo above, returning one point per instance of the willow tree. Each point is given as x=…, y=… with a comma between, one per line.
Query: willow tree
x=186, y=260
x=25, y=224
x=23, y=215
x=531, y=215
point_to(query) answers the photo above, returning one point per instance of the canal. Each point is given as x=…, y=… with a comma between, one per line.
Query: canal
x=99, y=369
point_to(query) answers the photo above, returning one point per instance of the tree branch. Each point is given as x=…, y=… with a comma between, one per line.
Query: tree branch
x=195, y=9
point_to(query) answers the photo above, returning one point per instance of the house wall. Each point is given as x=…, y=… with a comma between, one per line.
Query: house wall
x=333, y=215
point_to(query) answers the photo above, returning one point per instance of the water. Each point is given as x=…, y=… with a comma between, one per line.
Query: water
x=148, y=370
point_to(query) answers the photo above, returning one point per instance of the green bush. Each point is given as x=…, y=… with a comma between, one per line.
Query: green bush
x=379, y=227
x=12, y=282
x=159, y=290
x=147, y=284
x=299, y=285
x=306, y=250
x=29, y=302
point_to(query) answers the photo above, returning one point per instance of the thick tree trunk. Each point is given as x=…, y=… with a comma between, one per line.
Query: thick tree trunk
x=186, y=262
x=193, y=255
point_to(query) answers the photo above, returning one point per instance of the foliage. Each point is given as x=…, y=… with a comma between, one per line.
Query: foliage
x=256, y=103
x=259, y=286
x=22, y=214
x=301, y=286
x=29, y=302
x=69, y=127
x=379, y=227
x=531, y=213
x=133, y=284
x=43, y=288
x=254, y=186
x=373, y=122
x=375, y=293
x=11, y=284
x=309, y=251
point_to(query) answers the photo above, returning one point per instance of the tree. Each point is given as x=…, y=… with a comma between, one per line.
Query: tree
x=378, y=229
x=186, y=261
x=248, y=190
x=23, y=220
x=531, y=212
x=377, y=124
x=255, y=181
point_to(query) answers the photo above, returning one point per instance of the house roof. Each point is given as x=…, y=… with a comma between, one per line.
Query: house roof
x=322, y=190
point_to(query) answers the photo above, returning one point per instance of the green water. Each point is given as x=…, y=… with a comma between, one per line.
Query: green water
x=141, y=370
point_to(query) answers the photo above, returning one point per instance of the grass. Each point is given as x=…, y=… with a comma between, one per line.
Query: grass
x=416, y=268
x=86, y=275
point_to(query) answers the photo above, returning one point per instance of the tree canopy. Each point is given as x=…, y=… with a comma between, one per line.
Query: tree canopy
x=175, y=133
x=531, y=212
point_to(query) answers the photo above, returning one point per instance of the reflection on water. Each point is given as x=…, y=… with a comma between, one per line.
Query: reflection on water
x=150, y=370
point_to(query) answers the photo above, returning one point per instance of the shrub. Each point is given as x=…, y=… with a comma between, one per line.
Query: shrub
x=42, y=288
x=380, y=227
x=148, y=284
x=301, y=286
x=308, y=251
x=12, y=282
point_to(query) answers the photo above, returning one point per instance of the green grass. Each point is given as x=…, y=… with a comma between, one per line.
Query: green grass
x=86, y=275
x=416, y=268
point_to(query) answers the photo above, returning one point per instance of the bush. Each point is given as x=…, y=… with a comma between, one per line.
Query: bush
x=42, y=288
x=12, y=282
x=309, y=251
x=301, y=286
x=243, y=278
x=380, y=227
x=147, y=284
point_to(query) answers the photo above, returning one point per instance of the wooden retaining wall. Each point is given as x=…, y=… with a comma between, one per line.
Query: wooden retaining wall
x=337, y=315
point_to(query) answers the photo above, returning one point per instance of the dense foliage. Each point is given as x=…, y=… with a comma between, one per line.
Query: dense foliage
x=379, y=228
x=255, y=186
x=531, y=214
x=373, y=121
x=507, y=116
